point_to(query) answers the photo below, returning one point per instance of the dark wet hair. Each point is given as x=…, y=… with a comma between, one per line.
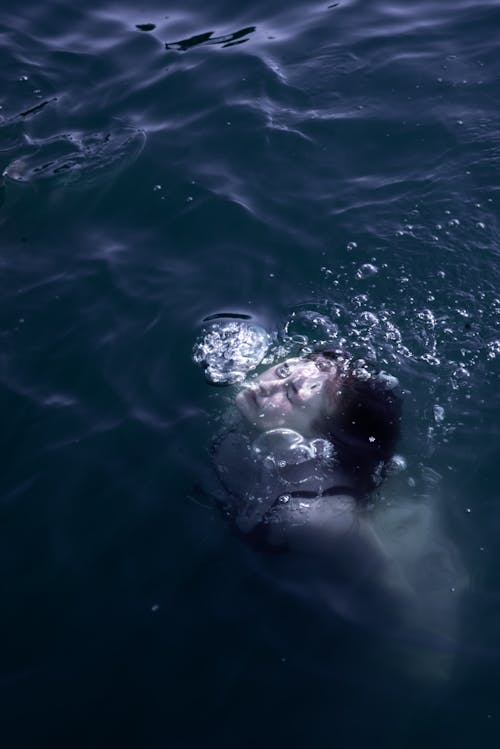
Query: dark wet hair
x=365, y=424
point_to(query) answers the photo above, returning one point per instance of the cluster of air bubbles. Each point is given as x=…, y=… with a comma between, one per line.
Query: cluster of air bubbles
x=361, y=371
x=493, y=349
x=229, y=349
x=369, y=319
x=286, y=447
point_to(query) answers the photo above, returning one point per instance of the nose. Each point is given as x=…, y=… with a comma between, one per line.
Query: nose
x=270, y=387
x=300, y=390
x=303, y=388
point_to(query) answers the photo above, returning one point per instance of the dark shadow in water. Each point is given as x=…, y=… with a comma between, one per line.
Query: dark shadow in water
x=226, y=40
x=37, y=107
x=236, y=315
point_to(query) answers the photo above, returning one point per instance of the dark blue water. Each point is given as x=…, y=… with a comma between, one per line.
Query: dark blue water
x=170, y=161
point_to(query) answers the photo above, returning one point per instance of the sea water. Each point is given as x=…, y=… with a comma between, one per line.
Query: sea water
x=325, y=172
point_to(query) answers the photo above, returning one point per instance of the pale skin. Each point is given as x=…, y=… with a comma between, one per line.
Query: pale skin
x=291, y=394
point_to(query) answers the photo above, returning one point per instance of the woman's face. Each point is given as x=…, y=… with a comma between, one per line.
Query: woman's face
x=291, y=394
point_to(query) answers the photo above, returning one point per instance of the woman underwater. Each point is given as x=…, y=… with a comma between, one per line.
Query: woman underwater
x=297, y=476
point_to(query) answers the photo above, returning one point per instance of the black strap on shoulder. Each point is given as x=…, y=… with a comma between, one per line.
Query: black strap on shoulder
x=332, y=491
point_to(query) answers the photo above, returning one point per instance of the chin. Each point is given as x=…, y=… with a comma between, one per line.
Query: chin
x=246, y=407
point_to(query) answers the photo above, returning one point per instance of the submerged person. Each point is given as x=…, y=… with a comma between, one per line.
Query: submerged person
x=298, y=477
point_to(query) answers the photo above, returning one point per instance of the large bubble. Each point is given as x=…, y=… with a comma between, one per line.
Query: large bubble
x=229, y=349
x=287, y=447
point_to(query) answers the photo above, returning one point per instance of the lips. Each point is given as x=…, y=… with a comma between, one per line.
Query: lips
x=251, y=397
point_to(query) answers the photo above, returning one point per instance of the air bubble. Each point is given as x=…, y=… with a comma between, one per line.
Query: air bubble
x=369, y=318
x=397, y=464
x=388, y=381
x=438, y=413
x=366, y=271
x=311, y=326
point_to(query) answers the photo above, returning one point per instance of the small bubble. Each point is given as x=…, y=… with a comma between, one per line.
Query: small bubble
x=369, y=318
x=23, y=78
x=366, y=271
x=189, y=199
x=438, y=413
x=351, y=246
x=157, y=188
x=397, y=464
x=480, y=225
x=468, y=509
x=454, y=222
x=411, y=482
x=155, y=608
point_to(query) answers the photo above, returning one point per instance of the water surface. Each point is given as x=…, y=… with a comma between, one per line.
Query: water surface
x=166, y=163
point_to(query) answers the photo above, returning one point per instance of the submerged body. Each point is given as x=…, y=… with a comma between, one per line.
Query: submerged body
x=297, y=477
